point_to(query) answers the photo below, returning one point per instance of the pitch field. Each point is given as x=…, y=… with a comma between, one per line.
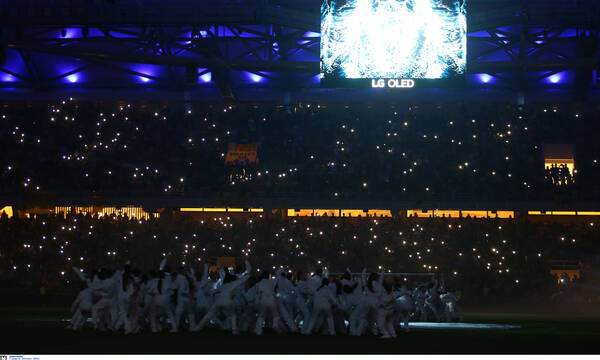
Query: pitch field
x=41, y=331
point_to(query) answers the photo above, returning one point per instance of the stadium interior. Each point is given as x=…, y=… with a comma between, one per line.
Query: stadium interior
x=142, y=130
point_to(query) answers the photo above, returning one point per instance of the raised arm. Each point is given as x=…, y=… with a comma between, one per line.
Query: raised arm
x=363, y=278
x=221, y=279
x=81, y=274
x=246, y=270
x=205, y=279
x=192, y=275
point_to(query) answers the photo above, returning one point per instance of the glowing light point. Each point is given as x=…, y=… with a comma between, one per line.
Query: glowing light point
x=485, y=78
x=73, y=78
x=206, y=78
x=255, y=77
x=8, y=78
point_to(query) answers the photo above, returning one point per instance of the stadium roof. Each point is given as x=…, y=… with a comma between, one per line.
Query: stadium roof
x=264, y=49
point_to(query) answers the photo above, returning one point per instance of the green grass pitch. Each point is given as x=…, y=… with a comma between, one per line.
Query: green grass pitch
x=41, y=331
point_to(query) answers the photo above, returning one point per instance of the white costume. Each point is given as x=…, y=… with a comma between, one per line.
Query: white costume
x=184, y=301
x=355, y=306
x=323, y=301
x=223, y=303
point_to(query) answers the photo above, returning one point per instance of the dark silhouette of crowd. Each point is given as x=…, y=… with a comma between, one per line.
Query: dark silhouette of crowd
x=559, y=175
x=478, y=151
x=490, y=258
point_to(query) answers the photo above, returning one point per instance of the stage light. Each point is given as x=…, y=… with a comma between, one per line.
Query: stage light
x=73, y=78
x=554, y=78
x=315, y=79
x=255, y=78
x=145, y=73
x=485, y=78
x=70, y=33
x=205, y=75
x=311, y=34
x=8, y=78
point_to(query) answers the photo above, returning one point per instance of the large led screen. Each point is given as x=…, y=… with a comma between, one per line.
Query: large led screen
x=393, y=39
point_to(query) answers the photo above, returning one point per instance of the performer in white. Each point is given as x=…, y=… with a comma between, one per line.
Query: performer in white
x=265, y=302
x=161, y=301
x=82, y=306
x=124, y=300
x=125, y=290
x=183, y=287
x=223, y=302
x=403, y=308
x=105, y=310
x=201, y=297
x=323, y=301
x=285, y=300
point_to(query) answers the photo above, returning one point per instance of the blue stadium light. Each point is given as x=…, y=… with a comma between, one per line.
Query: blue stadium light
x=312, y=34
x=145, y=73
x=206, y=77
x=483, y=34
x=554, y=79
x=69, y=33
x=255, y=78
x=551, y=78
x=8, y=78
x=144, y=79
x=73, y=78
x=116, y=34
x=485, y=78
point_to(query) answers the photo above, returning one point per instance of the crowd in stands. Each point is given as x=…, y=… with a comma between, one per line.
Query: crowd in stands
x=481, y=151
x=477, y=257
x=459, y=151
x=559, y=175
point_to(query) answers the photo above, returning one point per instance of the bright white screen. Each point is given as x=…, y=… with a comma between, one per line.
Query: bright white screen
x=417, y=39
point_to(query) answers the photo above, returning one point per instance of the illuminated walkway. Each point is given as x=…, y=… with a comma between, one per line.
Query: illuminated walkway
x=460, y=326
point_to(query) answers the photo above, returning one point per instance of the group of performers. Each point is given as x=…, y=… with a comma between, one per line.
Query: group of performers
x=180, y=300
